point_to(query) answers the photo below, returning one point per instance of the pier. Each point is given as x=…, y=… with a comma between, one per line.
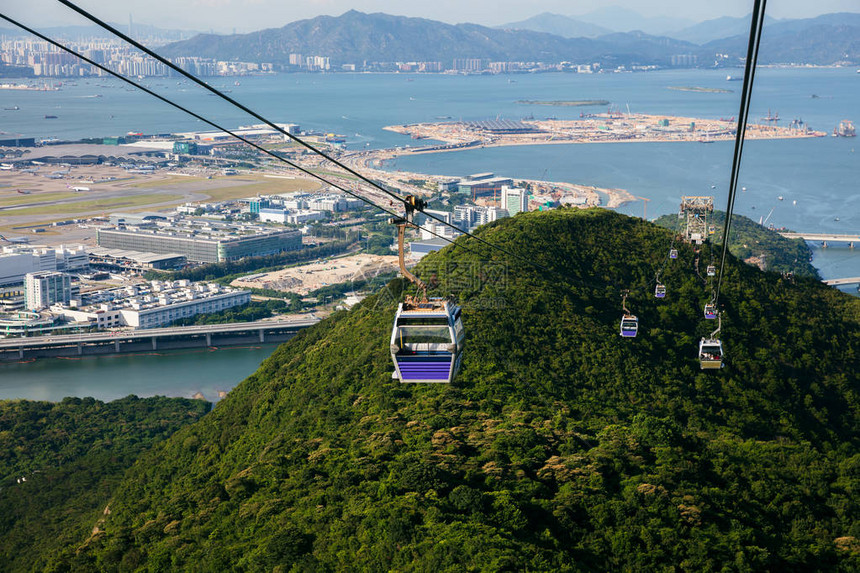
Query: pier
x=149, y=340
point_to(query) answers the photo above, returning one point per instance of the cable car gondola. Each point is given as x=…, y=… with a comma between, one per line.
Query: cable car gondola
x=710, y=311
x=711, y=350
x=710, y=353
x=629, y=323
x=629, y=326
x=660, y=291
x=712, y=271
x=427, y=339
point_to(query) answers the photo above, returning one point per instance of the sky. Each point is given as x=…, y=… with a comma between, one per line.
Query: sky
x=223, y=16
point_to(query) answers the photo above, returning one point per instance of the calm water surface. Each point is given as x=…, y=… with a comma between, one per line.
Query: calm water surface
x=180, y=373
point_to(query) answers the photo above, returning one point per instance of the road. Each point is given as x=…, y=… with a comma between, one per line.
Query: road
x=125, y=335
x=823, y=237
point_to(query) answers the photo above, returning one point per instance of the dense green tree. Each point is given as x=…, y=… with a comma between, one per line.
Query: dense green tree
x=60, y=464
x=560, y=447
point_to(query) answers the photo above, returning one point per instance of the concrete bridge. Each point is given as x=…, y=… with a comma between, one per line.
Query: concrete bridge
x=841, y=282
x=149, y=340
x=824, y=238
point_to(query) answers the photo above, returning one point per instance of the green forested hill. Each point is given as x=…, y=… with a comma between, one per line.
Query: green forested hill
x=60, y=464
x=757, y=245
x=561, y=446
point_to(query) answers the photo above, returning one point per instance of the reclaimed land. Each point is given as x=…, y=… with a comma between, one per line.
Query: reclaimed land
x=575, y=103
x=701, y=90
x=591, y=128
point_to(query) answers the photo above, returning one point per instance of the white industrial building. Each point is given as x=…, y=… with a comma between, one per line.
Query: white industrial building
x=158, y=303
x=292, y=217
x=17, y=261
x=334, y=203
x=303, y=216
x=268, y=215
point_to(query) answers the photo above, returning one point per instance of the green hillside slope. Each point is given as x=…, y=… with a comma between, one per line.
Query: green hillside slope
x=756, y=244
x=561, y=446
x=60, y=464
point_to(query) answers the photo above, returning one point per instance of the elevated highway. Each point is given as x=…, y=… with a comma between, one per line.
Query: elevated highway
x=841, y=282
x=824, y=238
x=149, y=340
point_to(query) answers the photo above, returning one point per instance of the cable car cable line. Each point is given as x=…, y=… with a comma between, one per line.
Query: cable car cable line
x=210, y=122
x=408, y=202
x=749, y=74
x=204, y=85
x=404, y=201
x=201, y=83
x=756, y=25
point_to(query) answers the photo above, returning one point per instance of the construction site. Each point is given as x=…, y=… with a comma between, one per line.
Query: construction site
x=610, y=127
x=305, y=279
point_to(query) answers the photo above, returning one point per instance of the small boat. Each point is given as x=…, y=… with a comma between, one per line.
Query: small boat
x=780, y=197
x=13, y=108
x=50, y=117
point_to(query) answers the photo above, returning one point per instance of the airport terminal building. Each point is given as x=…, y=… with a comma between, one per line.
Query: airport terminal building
x=201, y=247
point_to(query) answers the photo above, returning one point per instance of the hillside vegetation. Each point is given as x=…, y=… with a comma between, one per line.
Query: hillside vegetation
x=561, y=446
x=755, y=244
x=60, y=464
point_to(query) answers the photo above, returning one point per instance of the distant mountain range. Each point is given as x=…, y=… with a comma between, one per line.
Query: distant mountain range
x=717, y=29
x=620, y=19
x=139, y=31
x=356, y=37
x=827, y=39
x=563, y=26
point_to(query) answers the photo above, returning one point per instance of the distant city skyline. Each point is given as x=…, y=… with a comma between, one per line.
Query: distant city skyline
x=243, y=16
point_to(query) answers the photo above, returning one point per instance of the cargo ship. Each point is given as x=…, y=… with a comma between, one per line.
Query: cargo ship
x=844, y=129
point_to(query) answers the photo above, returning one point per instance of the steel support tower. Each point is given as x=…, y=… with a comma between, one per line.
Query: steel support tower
x=697, y=211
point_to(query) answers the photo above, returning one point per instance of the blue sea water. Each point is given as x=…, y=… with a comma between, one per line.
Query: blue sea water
x=820, y=174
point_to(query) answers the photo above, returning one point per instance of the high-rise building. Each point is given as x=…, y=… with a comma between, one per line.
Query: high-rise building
x=515, y=200
x=43, y=289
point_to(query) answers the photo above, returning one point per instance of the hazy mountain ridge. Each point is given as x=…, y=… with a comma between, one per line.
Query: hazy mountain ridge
x=825, y=40
x=559, y=25
x=561, y=446
x=717, y=29
x=355, y=37
x=625, y=20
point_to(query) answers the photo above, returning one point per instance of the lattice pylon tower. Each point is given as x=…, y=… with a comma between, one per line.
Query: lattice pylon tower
x=697, y=212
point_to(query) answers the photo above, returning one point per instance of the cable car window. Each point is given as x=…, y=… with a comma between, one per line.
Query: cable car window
x=412, y=335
